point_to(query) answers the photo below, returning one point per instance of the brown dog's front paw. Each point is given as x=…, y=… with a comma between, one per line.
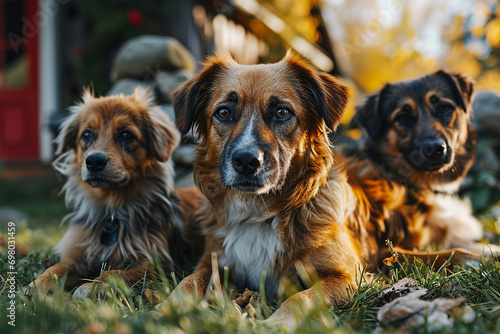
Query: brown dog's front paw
x=45, y=283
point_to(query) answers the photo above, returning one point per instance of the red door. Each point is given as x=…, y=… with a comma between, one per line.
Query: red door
x=19, y=123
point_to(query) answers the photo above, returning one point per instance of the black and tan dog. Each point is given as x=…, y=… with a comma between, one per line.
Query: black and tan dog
x=115, y=154
x=418, y=148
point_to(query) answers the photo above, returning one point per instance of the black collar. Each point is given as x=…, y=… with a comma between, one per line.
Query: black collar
x=109, y=232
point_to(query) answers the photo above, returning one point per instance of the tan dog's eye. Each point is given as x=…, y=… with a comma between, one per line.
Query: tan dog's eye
x=282, y=113
x=434, y=99
x=127, y=136
x=223, y=113
x=87, y=135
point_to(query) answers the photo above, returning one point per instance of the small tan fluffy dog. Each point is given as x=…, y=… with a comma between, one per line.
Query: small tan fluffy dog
x=115, y=155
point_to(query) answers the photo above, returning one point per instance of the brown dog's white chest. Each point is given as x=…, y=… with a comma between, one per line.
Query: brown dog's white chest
x=251, y=244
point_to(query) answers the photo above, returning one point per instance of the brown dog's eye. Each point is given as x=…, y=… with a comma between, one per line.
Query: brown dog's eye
x=282, y=113
x=223, y=113
x=434, y=99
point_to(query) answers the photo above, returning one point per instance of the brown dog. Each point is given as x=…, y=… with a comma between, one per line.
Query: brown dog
x=419, y=147
x=115, y=155
x=276, y=200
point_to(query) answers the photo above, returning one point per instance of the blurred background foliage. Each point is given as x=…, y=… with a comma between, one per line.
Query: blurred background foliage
x=388, y=40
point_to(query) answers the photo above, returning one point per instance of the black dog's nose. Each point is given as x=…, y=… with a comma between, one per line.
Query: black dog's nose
x=96, y=162
x=247, y=162
x=434, y=149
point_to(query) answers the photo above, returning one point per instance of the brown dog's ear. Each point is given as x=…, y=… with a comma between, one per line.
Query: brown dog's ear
x=328, y=97
x=370, y=116
x=463, y=87
x=191, y=98
x=162, y=135
x=68, y=133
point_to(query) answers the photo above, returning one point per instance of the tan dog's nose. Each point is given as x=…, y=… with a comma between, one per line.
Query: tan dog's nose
x=96, y=162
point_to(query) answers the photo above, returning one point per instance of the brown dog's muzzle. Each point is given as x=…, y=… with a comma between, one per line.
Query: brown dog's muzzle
x=247, y=162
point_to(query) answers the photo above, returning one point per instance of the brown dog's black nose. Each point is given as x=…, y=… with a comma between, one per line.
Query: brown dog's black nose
x=247, y=162
x=96, y=162
x=434, y=149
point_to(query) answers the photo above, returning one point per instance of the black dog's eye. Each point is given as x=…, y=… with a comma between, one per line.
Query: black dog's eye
x=403, y=118
x=282, y=114
x=406, y=108
x=434, y=99
x=127, y=136
x=445, y=108
x=223, y=113
x=87, y=135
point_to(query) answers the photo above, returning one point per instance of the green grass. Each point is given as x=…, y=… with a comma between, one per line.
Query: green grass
x=124, y=309
x=36, y=197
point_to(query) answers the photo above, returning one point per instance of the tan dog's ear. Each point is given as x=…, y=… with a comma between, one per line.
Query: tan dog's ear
x=322, y=91
x=162, y=135
x=193, y=97
x=463, y=87
x=68, y=133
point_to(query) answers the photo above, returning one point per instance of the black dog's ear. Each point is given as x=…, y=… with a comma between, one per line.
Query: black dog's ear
x=463, y=87
x=191, y=98
x=321, y=90
x=370, y=116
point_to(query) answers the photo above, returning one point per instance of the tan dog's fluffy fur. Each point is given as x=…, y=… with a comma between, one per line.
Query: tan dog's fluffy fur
x=115, y=155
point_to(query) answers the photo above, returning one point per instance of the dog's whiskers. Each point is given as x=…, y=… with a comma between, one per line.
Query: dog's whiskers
x=263, y=201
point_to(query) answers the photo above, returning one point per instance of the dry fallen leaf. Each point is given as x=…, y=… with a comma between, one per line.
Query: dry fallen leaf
x=402, y=288
x=409, y=311
x=244, y=298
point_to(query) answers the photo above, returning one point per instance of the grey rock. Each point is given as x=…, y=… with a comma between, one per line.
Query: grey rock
x=188, y=138
x=486, y=161
x=169, y=81
x=184, y=177
x=487, y=113
x=184, y=155
x=127, y=86
x=143, y=56
x=169, y=111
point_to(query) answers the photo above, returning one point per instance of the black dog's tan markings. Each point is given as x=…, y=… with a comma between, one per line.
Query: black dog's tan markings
x=418, y=147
